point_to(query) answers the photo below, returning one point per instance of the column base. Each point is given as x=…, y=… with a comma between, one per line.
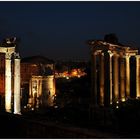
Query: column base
x=8, y=110
x=138, y=97
x=18, y=113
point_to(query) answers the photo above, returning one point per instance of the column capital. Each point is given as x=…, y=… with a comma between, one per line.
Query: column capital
x=110, y=53
x=8, y=56
x=124, y=56
x=116, y=54
x=102, y=53
x=137, y=56
x=96, y=52
x=16, y=56
x=127, y=55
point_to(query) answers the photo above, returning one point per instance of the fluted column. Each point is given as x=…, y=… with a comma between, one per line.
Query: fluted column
x=102, y=79
x=122, y=78
x=8, y=90
x=137, y=76
x=17, y=105
x=127, y=59
x=116, y=78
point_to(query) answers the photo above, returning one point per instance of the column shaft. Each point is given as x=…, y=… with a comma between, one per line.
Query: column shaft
x=102, y=79
x=116, y=78
x=94, y=80
x=110, y=75
x=17, y=105
x=122, y=78
x=138, y=76
x=127, y=76
x=108, y=79
x=8, y=90
x=30, y=99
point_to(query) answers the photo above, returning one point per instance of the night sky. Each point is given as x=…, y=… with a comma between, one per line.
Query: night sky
x=59, y=30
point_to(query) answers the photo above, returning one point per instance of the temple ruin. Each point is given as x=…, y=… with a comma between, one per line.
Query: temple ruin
x=9, y=49
x=115, y=73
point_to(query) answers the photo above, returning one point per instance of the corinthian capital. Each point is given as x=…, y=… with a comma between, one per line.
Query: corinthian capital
x=16, y=56
x=8, y=55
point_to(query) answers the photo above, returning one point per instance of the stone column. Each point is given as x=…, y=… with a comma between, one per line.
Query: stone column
x=17, y=104
x=30, y=99
x=116, y=78
x=127, y=59
x=34, y=91
x=8, y=90
x=137, y=76
x=94, y=80
x=108, y=78
x=102, y=79
x=38, y=92
x=122, y=78
x=50, y=88
x=110, y=75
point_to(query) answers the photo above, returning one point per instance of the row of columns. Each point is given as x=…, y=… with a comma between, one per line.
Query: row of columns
x=114, y=77
x=8, y=83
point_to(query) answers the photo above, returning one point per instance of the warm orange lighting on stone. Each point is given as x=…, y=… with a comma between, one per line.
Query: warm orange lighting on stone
x=123, y=100
x=42, y=91
x=117, y=71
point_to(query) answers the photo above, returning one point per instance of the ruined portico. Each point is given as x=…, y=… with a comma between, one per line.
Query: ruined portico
x=111, y=73
x=9, y=54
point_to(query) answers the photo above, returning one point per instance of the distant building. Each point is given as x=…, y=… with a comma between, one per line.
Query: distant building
x=37, y=81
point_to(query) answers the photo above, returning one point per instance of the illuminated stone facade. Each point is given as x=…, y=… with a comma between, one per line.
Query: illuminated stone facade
x=37, y=82
x=42, y=91
x=115, y=73
x=7, y=81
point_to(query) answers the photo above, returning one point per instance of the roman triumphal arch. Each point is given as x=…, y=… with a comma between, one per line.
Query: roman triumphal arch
x=10, y=53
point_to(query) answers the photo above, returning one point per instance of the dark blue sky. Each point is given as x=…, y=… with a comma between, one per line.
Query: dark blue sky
x=59, y=30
